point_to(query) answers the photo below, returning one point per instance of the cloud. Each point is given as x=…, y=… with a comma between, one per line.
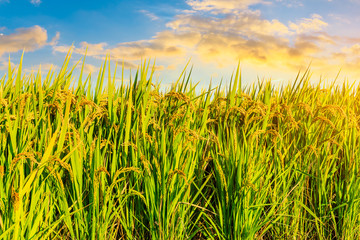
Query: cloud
x=35, y=2
x=4, y=64
x=144, y=49
x=222, y=6
x=127, y=65
x=247, y=36
x=339, y=18
x=238, y=33
x=150, y=15
x=45, y=67
x=88, y=68
x=291, y=3
x=315, y=23
x=165, y=44
x=55, y=39
x=28, y=39
x=93, y=49
x=354, y=49
x=247, y=23
x=224, y=40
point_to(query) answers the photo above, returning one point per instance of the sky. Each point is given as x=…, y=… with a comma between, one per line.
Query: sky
x=272, y=39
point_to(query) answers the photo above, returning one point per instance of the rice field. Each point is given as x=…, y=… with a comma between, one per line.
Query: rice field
x=86, y=158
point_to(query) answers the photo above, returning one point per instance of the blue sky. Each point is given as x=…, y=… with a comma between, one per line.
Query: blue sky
x=272, y=39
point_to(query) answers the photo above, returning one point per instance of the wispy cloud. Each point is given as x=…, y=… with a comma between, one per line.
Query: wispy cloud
x=150, y=15
x=44, y=68
x=291, y=3
x=35, y=2
x=339, y=18
x=218, y=6
x=4, y=64
x=55, y=39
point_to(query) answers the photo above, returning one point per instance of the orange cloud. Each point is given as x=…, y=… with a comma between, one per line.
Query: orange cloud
x=165, y=44
x=28, y=39
x=353, y=50
x=247, y=23
x=241, y=34
x=315, y=23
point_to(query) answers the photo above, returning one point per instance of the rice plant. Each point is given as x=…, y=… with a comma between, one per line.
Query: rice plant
x=93, y=159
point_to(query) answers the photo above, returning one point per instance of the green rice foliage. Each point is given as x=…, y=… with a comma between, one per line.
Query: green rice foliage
x=98, y=159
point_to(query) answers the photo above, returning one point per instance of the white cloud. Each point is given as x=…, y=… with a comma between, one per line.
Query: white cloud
x=35, y=2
